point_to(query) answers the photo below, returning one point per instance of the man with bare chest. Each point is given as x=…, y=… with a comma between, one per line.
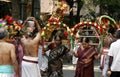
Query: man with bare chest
x=8, y=60
x=30, y=44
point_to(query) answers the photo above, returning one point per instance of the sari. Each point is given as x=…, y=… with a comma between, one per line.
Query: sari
x=55, y=63
x=85, y=63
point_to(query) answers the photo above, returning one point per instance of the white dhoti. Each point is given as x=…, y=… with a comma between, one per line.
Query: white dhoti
x=74, y=59
x=30, y=67
x=6, y=75
x=104, y=62
x=6, y=71
x=44, y=63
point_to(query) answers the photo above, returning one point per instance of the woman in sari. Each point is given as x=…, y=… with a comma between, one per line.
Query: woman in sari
x=86, y=56
x=55, y=64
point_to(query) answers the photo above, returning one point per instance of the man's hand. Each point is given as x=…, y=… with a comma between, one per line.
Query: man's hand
x=108, y=73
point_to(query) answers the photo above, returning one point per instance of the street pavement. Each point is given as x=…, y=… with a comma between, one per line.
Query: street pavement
x=69, y=69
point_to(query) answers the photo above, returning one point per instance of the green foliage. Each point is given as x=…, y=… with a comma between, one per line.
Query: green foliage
x=85, y=1
x=110, y=2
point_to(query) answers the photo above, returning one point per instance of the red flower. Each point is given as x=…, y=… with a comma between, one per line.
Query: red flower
x=9, y=19
x=66, y=33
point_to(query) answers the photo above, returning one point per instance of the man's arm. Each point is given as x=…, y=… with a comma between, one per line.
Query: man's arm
x=110, y=54
x=25, y=22
x=14, y=60
x=110, y=63
x=37, y=24
x=38, y=37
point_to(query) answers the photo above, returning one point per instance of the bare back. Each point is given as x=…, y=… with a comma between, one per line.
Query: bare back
x=7, y=54
x=30, y=46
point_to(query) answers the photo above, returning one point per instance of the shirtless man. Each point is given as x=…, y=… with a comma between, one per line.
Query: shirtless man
x=30, y=44
x=8, y=60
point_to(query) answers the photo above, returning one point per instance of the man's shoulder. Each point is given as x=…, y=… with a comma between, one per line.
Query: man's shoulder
x=114, y=43
x=9, y=44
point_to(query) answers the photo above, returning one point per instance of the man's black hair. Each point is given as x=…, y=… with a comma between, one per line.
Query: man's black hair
x=117, y=34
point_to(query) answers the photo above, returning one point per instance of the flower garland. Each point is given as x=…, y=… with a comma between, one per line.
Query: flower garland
x=63, y=5
x=11, y=25
x=55, y=21
x=104, y=22
x=81, y=24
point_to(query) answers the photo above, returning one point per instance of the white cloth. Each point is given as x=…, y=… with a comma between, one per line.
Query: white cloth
x=6, y=75
x=40, y=56
x=104, y=62
x=30, y=23
x=115, y=53
x=74, y=59
x=44, y=63
x=30, y=69
x=42, y=60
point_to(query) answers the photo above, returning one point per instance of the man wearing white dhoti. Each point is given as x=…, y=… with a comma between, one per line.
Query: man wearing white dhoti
x=30, y=67
x=104, y=62
x=8, y=60
x=104, y=56
x=30, y=44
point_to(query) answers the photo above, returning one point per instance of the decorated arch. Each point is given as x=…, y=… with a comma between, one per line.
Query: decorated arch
x=106, y=22
x=82, y=24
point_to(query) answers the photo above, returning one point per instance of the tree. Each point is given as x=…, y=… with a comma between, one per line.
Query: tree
x=80, y=4
x=111, y=7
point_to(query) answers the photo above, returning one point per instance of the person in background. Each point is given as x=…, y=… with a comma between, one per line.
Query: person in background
x=76, y=46
x=114, y=54
x=55, y=63
x=104, y=56
x=8, y=59
x=86, y=56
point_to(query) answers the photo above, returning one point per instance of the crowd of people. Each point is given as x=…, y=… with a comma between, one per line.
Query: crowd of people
x=26, y=57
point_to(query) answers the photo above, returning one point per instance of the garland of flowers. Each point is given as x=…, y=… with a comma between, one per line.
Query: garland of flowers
x=55, y=21
x=52, y=26
x=11, y=25
x=81, y=24
x=104, y=21
x=63, y=5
